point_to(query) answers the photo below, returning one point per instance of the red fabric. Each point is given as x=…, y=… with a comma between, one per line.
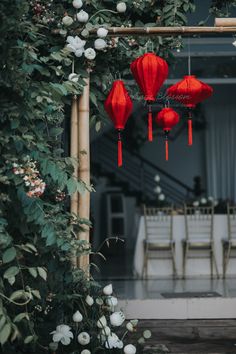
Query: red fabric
x=119, y=157
x=150, y=72
x=190, y=91
x=167, y=150
x=118, y=104
x=150, y=137
x=190, y=132
x=167, y=118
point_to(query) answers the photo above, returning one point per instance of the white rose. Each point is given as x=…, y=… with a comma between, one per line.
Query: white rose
x=90, y=53
x=67, y=20
x=112, y=301
x=82, y=16
x=117, y=318
x=234, y=43
x=121, y=7
x=102, y=32
x=85, y=351
x=73, y=77
x=79, y=52
x=129, y=349
x=77, y=317
x=100, y=44
x=83, y=338
x=108, y=290
x=130, y=327
x=196, y=203
x=77, y=4
x=211, y=199
x=161, y=197
x=102, y=322
x=157, y=178
x=89, y=300
x=157, y=190
x=203, y=201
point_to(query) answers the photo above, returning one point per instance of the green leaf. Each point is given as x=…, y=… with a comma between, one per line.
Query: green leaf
x=33, y=272
x=11, y=272
x=28, y=339
x=5, y=333
x=19, y=294
x=9, y=255
x=42, y=272
x=21, y=316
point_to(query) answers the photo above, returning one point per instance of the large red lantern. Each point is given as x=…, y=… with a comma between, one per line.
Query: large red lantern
x=119, y=107
x=190, y=91
x=167, y=118
x=150, y=72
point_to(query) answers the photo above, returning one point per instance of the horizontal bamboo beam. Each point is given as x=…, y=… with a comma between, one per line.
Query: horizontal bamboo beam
x=225, y=22
x=166, y=31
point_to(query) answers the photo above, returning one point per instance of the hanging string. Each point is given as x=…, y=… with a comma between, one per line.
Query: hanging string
x=150, y=136
x=189, y=57
x=73, y=67
x=166, y=146
x=190, y=128
x=119, y=149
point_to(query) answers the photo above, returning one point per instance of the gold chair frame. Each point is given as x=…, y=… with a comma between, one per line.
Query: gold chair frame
x=230, y=243
x=152, y=246
x=198, y=215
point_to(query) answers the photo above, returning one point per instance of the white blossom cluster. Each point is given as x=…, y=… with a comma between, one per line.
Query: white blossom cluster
x=105, y=326
x=75, y=44
x=205, y=201
x=161, y=196
x=30, y=175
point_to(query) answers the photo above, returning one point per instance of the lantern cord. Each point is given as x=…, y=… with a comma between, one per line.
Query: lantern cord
x=119, y=149
x=190, y=129
x=167, y=145
x=150, y=136
x=189, y=58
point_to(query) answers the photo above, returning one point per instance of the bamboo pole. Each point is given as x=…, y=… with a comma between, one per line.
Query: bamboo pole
x=84, y=167
x=225, y=22
x=74, y=155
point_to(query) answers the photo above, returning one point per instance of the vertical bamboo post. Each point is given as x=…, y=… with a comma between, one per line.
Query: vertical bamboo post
x=84, y=167
x=74, y=155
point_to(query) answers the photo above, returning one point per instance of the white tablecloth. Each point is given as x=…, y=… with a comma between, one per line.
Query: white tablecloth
x=195, y=267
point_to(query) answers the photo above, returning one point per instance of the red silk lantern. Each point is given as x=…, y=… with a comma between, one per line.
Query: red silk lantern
x=119, y=106
x=190, y=91
x=167, y=118
x=149, y=71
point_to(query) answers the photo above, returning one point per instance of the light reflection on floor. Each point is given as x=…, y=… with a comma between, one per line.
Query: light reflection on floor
x=152, y=289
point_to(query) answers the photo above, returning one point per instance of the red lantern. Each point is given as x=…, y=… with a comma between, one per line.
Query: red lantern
x=167, y=118
x=190, y=91
x=149, y=71
x=119, y=107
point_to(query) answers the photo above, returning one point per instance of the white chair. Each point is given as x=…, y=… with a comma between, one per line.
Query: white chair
x=199, y=235
x=158, y=236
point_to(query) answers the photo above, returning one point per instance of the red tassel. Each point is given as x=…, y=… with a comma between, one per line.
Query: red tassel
x=150, y=137
x=190, y=130
x=119, y=153
x=167, y=150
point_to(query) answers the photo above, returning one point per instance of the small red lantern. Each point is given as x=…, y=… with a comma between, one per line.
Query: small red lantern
x=119, y=106
x=167, y=118
x=149, y=71
x=190, y=91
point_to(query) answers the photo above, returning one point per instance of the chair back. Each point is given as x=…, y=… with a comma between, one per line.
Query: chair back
x=158, y=223
x=231, y=216
x=199, y=223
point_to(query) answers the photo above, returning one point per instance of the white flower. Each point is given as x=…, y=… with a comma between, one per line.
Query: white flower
x=67, y=20
x=108, y=290
x=117, y=318
x=89, y=300
x=113, y=341
x=85, y=351
x=129, y=349
x=211, y=199
x=73, y=77
x=157, y=190
x=100, y=44
x=102, y=32
x=161, y=197
x=82, y=16
x=234, y=43
x=216, y=202
x=147, y=334
x=196, y=203
x=157, y=178
x=102, y=322
x=83, y=338
x=112, y=301
x=77, y=317
x=121, y=7
x=99, y=301
x=106, y=331
x=62, y=334
x=130, y=327
x=203, y=201
x=77, y=4
x=90, y=53
x=75, y=45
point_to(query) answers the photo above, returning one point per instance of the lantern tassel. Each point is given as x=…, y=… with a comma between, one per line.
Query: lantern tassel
x=167, y=145
x=190, y=130
x=119, y=157
x=150, y=136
